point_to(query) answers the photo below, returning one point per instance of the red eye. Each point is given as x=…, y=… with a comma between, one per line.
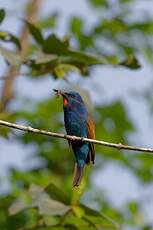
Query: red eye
x=65, y=102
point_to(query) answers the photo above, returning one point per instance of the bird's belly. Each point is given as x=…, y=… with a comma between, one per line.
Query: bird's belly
x=75, y=129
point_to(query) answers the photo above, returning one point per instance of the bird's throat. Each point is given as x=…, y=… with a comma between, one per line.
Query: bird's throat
x=65, y=101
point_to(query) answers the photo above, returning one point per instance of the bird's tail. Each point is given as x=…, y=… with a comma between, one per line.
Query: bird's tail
x=78, y=174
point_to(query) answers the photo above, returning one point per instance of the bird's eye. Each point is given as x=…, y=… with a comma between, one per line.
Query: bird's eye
x=73, y=96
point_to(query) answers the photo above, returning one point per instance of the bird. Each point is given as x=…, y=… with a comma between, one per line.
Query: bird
x=78, y=122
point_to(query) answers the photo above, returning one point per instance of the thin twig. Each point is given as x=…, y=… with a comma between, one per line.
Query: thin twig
x=75, y=138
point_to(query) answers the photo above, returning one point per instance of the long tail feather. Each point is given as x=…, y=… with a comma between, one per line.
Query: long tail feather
x=78, y=174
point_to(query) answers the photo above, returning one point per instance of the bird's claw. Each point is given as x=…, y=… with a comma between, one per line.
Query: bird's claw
x=72, y=138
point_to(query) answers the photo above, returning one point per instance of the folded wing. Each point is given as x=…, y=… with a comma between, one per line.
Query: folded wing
x=91, y=135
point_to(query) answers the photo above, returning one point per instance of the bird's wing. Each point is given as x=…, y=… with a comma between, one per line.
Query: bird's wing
x=91, y=135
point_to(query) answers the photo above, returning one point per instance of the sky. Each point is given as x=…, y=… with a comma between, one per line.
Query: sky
x=115, y=82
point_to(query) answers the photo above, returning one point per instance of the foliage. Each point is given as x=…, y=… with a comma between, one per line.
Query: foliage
x=42, y=197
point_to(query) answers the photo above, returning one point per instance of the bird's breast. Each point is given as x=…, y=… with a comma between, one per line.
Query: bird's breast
x=75, y=123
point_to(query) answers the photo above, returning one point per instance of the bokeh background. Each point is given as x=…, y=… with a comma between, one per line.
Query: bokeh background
x=120, y=183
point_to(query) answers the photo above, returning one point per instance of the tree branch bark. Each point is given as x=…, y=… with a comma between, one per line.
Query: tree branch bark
x=75, y=138
x=12, y=73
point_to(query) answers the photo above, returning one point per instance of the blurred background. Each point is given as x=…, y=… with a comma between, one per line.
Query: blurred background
x=118, y=82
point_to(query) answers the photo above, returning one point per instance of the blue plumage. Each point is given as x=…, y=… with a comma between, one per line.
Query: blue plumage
x=78, y=123
x=75, y=117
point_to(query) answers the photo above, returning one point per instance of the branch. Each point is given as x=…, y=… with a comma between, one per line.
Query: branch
x=33, y=8
x=75, y=138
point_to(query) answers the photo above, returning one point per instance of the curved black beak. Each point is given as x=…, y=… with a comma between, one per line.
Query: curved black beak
x=59, y=93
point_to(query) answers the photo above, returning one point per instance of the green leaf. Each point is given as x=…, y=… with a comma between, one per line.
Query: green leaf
x=90, y=211
x=2, y=15
x=133, y=207
x=35, y=191
x=54, y=45
x=13, y=58
x=43, y=64
x=62, y=69
x=17, y=206
x=44, y=58
x=38, y=198
x=32, y=218
x=48, y=22
x=78, y=211
x=76, y=25
x=45, y=204
x=86, y=59
x=51, y=220
x=35, y=32
x=145, y=27
x=98, y=3
x=75, y=221
x=103, y=224
x=52, y=207
x=131, y=62
x=57, y=194
x=8, y=37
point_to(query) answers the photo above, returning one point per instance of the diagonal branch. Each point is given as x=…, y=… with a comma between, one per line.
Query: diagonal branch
x=75, y=138
x=33, y=8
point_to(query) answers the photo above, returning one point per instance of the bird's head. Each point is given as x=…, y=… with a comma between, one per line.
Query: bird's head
x=69, y=98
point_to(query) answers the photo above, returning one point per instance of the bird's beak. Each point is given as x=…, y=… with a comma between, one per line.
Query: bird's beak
x=59, y=93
